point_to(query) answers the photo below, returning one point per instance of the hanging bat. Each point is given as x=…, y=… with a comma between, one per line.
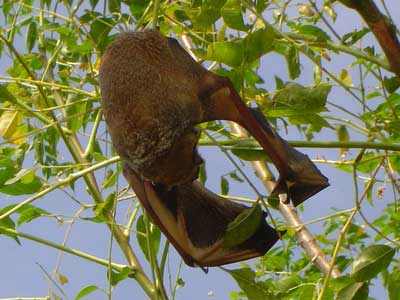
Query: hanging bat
x=195, y=221
x=154, y=94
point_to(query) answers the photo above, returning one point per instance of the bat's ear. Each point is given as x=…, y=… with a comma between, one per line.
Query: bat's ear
x=191, y=67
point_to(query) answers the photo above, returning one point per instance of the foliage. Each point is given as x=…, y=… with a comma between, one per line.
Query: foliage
x=337, y=85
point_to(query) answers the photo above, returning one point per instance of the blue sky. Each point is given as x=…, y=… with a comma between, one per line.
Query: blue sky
x=22, y=274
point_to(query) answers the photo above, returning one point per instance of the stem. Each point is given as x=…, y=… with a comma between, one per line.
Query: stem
x=346, y=227
x=253, y=145
x=155, y=14
x=61, y=183
x=75, y=252
x=93, y=134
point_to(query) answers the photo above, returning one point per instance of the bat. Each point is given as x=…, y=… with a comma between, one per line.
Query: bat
x=195, y=220
x=154, y=94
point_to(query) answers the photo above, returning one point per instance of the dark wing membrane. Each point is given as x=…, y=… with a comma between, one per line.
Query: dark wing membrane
x=195, y=220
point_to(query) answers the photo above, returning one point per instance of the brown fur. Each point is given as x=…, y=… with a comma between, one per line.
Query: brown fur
x=149, y=108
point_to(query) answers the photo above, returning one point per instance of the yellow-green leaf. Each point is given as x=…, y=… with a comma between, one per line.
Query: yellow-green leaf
x=9, y=121
x=345, y=77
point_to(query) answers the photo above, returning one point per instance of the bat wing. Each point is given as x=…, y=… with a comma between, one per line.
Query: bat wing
x=195, y=220
x=298, y=176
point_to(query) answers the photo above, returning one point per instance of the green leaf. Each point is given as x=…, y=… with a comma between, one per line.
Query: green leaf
x=21, y=186
x=343, y=136
x=391, y=84
x=243, y=226
x=287, y=283
x=5, y=94
x=29, y=213
x=235, y=176
x=229, y=53
x=245, y=278
x=106, y=206
x=31, y=36
x=114, y=6
x=371, y=261
x=9, y=120
x=63, y=279
x=224, y=186
x=25, y=175
x=205, y=13
x=351, y=38
x=86, y=291
x=303, y=99
x=111, y=177
x=258, y=43
x=93, y=3
x=8, y=223
x=138, y=7
x=292, y=60
x=354, y=291
x=321, y=35
x=74, y=112
x=231, y=13
x=203, y=174
x=345, y=77
x=99, y=30
x=115, y=277
x=141, y=236
x=394, y=284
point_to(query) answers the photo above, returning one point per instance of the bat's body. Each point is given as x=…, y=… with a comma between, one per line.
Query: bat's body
x=153, y=95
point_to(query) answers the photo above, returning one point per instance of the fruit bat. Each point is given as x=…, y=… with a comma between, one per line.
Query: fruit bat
x=153, y=96
x=195, y=221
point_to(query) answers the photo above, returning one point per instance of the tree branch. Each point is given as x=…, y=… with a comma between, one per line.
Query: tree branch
x=382, y=27
x=302, y=234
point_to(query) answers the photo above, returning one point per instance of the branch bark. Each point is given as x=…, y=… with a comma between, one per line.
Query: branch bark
x=382, y=27
x=302, y=234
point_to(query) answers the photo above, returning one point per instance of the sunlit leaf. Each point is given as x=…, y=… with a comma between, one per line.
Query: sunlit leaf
x=243, y=227
x=394, y=284
x=245, y=278
x=371, y=261
x=231, y=13
x=343, y=136
x=292, y=60
x=9, y=120
x=354, y=291
x=141, y=235
x=116, y=277
x=229, y=53
x=345, y=77
x=86, y=291
x=258, y=43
